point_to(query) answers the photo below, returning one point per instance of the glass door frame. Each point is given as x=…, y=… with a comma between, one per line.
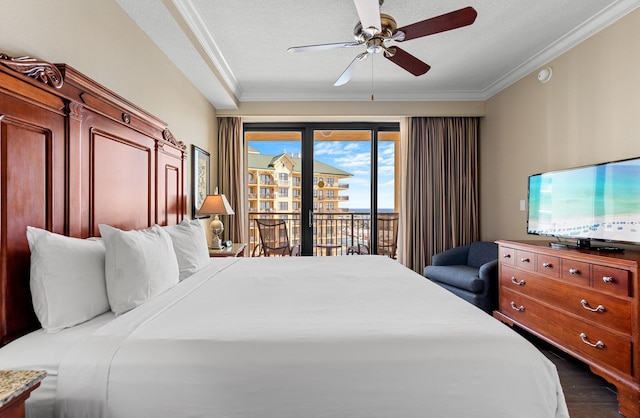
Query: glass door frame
x=307, y=150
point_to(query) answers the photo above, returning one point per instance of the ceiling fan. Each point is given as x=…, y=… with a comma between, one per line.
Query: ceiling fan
x=375, y=30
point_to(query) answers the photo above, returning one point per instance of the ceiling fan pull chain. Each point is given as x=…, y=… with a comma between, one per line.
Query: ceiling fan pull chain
x=372, y=97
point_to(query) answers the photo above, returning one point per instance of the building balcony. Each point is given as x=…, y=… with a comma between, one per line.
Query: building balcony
x=338, y=228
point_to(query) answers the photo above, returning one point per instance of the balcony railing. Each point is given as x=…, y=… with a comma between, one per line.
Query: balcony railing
x=333, y=232
x=267, y=182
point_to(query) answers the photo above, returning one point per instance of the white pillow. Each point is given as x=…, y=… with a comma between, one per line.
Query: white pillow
x=67, y=279
x=140, y=264
x=190, y=245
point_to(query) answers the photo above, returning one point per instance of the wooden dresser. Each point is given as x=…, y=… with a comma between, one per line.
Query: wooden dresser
x=584, y=302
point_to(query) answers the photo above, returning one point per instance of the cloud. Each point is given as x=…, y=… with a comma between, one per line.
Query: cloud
x=362, y=159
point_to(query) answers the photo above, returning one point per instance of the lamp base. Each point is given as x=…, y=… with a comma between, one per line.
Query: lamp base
x=216, y=243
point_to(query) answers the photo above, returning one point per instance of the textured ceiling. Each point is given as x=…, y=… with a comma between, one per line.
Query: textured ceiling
x=236, y=51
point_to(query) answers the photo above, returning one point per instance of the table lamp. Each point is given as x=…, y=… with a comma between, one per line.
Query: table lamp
x=216, y=204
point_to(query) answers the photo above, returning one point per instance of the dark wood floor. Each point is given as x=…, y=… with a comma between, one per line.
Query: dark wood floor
x=587, y=394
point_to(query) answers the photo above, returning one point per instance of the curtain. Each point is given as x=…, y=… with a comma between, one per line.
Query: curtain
x=440, y=194
x=231, y=174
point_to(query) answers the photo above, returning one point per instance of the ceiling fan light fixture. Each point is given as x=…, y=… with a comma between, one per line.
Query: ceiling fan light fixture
x=375, y=45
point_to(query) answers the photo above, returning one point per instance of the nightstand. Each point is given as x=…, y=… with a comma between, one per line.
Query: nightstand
x=236, y=250
x=15, y=387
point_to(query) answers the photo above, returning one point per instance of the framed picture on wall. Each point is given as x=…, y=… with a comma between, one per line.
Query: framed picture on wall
x=200, y=179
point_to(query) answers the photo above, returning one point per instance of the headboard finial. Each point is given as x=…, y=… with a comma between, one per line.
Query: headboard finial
x=40, y=70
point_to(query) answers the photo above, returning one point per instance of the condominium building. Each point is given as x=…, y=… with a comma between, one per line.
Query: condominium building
x=275, y=184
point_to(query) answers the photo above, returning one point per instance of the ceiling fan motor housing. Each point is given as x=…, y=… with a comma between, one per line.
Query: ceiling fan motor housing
x=388, y=24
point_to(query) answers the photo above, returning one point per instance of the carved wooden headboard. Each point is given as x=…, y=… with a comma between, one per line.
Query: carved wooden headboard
x=73, y=155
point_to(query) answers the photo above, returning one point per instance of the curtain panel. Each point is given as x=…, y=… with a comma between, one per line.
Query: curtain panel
x=440, y=206
x=231, y=173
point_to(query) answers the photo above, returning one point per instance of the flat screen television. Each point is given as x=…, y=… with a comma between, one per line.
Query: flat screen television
x=597, y=202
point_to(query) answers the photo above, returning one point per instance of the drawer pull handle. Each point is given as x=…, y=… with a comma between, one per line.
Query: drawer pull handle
x=506, y=255
x=524, y=260
x=546, y=265
x=585, y=340
x=574, y=271
x=518, y=283
x=514, y=307
x=607, y=279
x=585, y=305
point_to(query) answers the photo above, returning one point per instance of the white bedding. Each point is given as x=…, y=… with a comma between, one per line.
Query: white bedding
x=355, y=336
x=40, y=350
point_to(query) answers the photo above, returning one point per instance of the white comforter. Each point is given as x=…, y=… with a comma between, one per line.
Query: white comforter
x=355, y=336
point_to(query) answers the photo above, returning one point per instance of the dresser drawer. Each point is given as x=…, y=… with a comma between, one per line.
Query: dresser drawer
x=548, y=265
x=507, y=255
x=525, y=259
x=611, y=280
x=593, y=342
x=576, y=272
x=606, y=310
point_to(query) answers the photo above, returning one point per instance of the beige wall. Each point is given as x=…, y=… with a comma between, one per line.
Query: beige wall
x=589, y=112
x=99, y=39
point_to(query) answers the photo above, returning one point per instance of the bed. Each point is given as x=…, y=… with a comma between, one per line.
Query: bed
x=291, y=337
x=357, y=336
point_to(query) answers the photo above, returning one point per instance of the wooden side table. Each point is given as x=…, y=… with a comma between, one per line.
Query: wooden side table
x=15, y=387
x=236, y=250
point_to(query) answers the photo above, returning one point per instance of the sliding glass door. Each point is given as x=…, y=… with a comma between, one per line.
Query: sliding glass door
x=325, y=181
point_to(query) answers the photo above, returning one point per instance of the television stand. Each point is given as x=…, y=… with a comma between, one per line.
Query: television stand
x=584, y=244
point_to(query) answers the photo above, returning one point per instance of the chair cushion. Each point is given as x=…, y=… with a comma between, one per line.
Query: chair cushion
x=481, y=252
x=463, y=277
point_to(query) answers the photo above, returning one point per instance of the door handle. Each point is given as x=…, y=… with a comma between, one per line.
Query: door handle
x=310, y=218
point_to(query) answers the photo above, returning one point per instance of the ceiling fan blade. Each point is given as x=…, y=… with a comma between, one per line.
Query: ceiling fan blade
x=323, y=47
x=442, y=23
x=346, y=75
x=369, y=14
x=407, y=61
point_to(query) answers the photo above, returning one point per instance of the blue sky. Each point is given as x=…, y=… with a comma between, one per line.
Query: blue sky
x=353, y=157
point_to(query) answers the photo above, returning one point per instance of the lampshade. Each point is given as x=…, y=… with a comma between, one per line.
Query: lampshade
x=215, y=204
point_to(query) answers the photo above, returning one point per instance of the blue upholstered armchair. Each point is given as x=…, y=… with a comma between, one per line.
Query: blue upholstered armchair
x=469, y=271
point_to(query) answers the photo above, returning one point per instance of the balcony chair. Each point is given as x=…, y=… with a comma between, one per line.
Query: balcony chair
x=274, y=239
x=469, y=271
x=387, y=237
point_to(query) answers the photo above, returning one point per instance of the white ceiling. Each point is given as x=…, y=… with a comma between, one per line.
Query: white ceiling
x=236, y=51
